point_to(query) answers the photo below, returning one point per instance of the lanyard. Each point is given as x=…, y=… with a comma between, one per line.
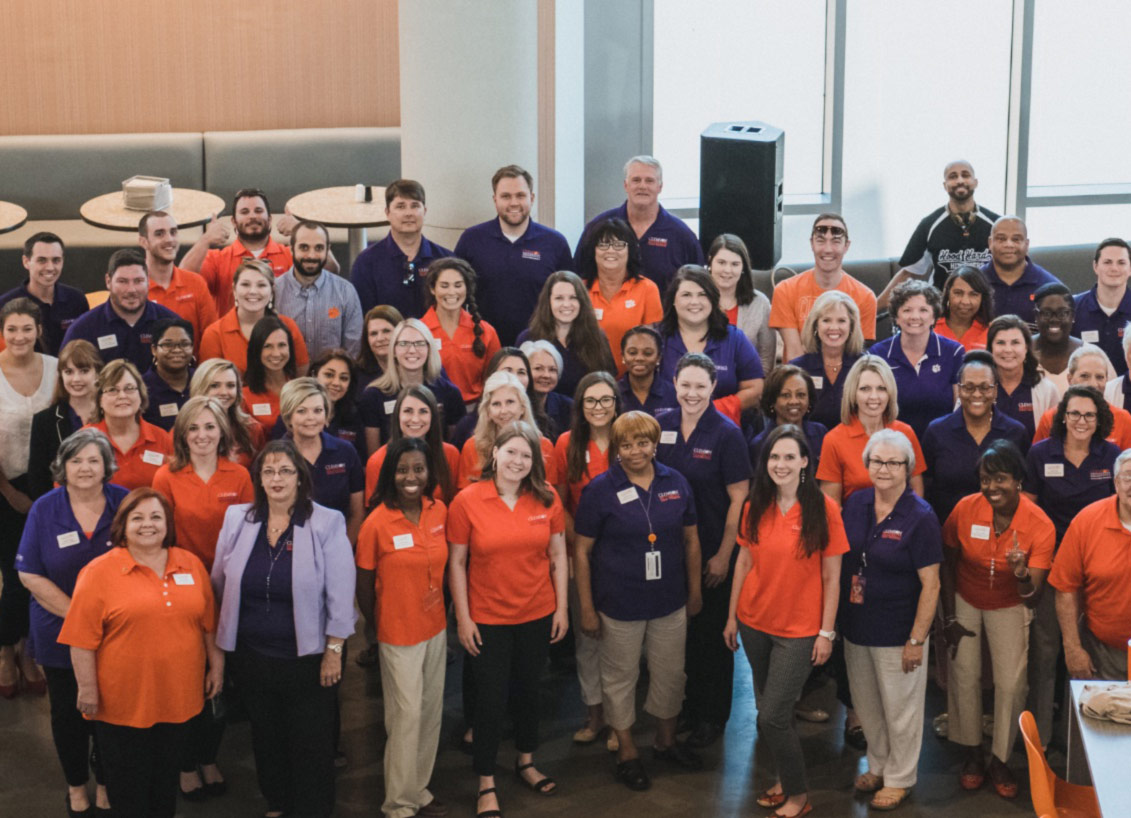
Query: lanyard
x=647, y=514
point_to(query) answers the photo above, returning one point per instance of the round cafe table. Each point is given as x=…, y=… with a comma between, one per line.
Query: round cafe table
x=12, y=217
x=338, y=207
x=191, y=208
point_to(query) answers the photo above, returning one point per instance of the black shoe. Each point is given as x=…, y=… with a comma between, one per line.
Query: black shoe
x=678, y=754
x=704, y=735
x=631, y=773
x=216, y=788
x=77, y=813
x=854, y=738
x=195, y=796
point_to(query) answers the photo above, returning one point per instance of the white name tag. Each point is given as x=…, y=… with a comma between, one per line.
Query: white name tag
x=818, y=382
x=68, y=539
x=652, y=565
x=980, y=532
x=629, y=304
x=152, y=458
x=390, y=405
x=107, y=341
x=261, y=409
x=1054, y=470
x=183, y=579
x=402, y=541
x=668, y=436
x=1090, y=336
x=587, y=457
x=168, y=410
x=627, y=495
x=439, y=344
x=600, y=313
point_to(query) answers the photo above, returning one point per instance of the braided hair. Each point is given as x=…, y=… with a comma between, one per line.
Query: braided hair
x=468, y=274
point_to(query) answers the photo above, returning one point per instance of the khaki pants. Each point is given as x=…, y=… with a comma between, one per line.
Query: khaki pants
x=890, y=705
x=412, y=678
x=663, y=640
x=1007, y=633
x=586, y=651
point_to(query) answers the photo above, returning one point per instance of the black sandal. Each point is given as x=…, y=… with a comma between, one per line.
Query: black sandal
x=538, y=786
x=631, y=773
x=488, y=813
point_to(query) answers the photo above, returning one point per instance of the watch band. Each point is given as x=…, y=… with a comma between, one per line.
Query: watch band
x=830, y=635
x=336, y=648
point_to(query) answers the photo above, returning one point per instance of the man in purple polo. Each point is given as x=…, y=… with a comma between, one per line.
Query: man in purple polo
x=1012, y=275
x=1103, y=311
x=666, y=243
x=512, y=255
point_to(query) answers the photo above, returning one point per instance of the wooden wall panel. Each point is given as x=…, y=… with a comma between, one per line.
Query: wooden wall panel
x=125, y=66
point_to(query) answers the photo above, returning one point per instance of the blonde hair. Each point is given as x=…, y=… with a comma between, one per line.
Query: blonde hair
x=187, y=414
x=111, y=375
x=868, y=363
x=264, y=269
x=390, y=381
x=485, y=431
x=202, y=379
x=854, y=344
x=295, y=392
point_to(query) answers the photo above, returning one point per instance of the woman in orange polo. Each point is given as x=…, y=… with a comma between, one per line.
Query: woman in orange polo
x=271, y=363
x=508, y=576
x=418, y=415
x=140, y=448
x=504, y=401
x=612, y=269
x=145, y=597
x=967, y=308
x=466, y=341
x=869, y=404
x=253, y=288
x=401, y=554
x=219, y=379
x=784, y=600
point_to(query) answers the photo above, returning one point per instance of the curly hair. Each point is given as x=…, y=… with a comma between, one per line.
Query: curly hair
x=1105, y=420
x=467, y=273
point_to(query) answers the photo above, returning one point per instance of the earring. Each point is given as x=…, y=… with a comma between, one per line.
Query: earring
x=803, y=474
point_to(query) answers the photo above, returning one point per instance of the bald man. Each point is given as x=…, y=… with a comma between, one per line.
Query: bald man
x=1011, y=274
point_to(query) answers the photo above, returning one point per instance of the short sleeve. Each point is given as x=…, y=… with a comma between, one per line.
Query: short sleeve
x=550, y=463
x=371, y=406
x=162, y=482
x=354, y=469
x=950, y=528
x=690, y=515
x=734, y=458
x=831, y=469
x=83, y=625
x=959, y=357
x=210, y=617
x=557, y=515
x=588, y=517
x=926, y=540
x=367, y=544
x=867, y=306
x=1034, y=480
x=653, y=309
x=459, y=523
x=920, y=460
x=930, y=448
x=1044, y=543
x=1067, y=572
x=559, y=459
x=747, y=364
x=29, y=557
x=783, y=307
x=838, y=539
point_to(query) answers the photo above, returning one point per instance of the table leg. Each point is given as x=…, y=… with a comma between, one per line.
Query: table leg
x=358, y=241
x=1077, y=771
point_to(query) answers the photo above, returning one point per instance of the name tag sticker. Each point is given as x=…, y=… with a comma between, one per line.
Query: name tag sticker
x=668, y=436
x=401, y=541
x=168, y=410
x=652, y=565
x=183, y=579
x=587, y=457
x=1090, y=336
x=599, y=312
x=261, y=409
x=439, y=344
x=107, y=341
x=68, y=539
x=390, y=405
x=629, y=304
x=1054, y=470
x=818, y=382
x=980, y=532
x=627, y=495
x=152, y=458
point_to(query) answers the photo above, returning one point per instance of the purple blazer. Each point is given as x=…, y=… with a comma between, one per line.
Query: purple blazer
x=323, y=580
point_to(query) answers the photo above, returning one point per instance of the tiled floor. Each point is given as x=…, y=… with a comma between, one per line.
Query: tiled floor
x=31, y=784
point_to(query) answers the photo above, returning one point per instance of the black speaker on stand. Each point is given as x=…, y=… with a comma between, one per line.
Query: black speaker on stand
x=740, y=187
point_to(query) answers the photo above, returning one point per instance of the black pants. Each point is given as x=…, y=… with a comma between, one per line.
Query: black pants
x=14, y=599
x=292, y=730
x=511, y=656
x=710, y=663
x=141, y=768
x=203, y=734
x=72, y=733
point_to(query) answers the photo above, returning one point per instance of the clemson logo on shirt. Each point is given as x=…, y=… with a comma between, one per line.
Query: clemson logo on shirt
x=335, y=468
x=1024, y=407
x=664, y=496
x=538, y=518
x=701, y=454
x=333, y=312
x=436, y=529
x=347, y=435
x=656, y=241
x=186, y=297
x=891, y=534
x=146, y=338
x=1100, y=474
x=227, y=495
x=532, y=255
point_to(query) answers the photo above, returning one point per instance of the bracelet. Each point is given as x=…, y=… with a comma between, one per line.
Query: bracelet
x=950, y=620
x=1027, y=578
x=1026, y=596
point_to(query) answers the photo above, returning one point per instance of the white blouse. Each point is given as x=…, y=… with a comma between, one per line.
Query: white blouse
x=16, y=412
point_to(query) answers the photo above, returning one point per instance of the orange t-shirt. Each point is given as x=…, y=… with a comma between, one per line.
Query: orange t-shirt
x=970, y=529
x=373, y=469
x=263, y=407
x=973, y=338
x=508, y=562
x=220, y=265
x=1120, y=430
x=137, y=467
x=597, y=462
x=842, y=456
x=187, y=296
x=1095, y=558
x=409, y=559
x=223, y=339
x=148, y=635
x=783, y=595
x=199, y=507
x=794, y=297
x=465, y=369
x=470, y=468
x=637, y=302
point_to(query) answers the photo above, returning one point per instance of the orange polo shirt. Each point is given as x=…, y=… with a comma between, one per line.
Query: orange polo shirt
x=258, y=438
x=464, y=368
x=148, y=635
x=508, y=562
x=470, y=468
x=137, y=467
x=842, y=456
x=220, y=266
x=223, y=339
x=637, y=302
x=970, y=529
x=263, y=407
x=1120, y=430
x=597, y=462
x=187, y=295
x=783, y=595
x=409, y=559
x=794, y=297
x=973, y=338
x=373, y=469
x=1095, y=558
x=199, y=507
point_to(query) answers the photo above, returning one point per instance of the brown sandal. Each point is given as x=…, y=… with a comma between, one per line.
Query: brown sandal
x=885, y=800
x=869, y=782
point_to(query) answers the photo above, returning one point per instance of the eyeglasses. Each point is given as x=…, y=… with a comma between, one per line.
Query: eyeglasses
x=1072, y=416
x=169, y=346
x=604, y=402
x=285, y=471
x=890, y=465
x=408, y=272
x=611, y=244
x=977, y=388
x=1061, y=314
x=1123, y=479
x=113, y=391
x=411, y=344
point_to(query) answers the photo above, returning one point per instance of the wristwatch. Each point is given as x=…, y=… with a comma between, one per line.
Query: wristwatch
x=336, y=648
x=830, y=635
x=915, y=643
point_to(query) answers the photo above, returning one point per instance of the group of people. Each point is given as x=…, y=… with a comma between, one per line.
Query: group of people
x=594, y=453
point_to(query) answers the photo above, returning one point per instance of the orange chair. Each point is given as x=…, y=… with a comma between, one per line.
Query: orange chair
x=1052, y=796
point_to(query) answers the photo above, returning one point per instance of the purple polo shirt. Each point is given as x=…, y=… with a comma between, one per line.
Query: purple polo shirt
x=1094, y=326
x=114, y=338
x=1063, y=489
x=735, y=359
x=58, y=316
x=379, y=272
x=1018, y=406
x=666, y=245
x=573, y=370
x=814, y=433
x=619, y=516
x=925, y=392
x=336, y=474
x=661, y=396
x=1017, y=298
x=164, y=401
x=375, y=407
x=511, y=274
x=826, y=408
x=887, y=555
x=55, y=547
